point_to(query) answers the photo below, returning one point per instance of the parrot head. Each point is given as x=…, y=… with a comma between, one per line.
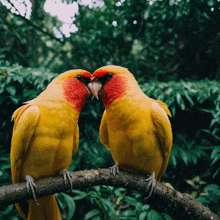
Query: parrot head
x=110, y=82
x=74, y=84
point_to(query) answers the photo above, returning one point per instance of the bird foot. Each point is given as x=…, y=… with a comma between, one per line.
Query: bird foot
x=31, y=186
x=152, y=184
x=67, y=177
x=114, y=169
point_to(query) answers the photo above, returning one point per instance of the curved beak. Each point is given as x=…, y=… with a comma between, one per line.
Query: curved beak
x=95, y=86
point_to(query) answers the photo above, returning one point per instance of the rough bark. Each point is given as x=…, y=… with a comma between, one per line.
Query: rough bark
x=162, y=195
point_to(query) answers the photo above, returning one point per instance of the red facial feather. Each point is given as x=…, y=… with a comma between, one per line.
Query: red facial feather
x=76, y=92
x=99, y=73
x=86, y=74
x=114, y=89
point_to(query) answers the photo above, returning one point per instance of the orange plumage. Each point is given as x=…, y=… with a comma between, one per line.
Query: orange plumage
x=134, y=127
x=46, y=135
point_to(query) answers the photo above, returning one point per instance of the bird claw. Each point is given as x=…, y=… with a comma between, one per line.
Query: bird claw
x=31, y=187
x=114, y=170
x=152, y=184
x=67, y=176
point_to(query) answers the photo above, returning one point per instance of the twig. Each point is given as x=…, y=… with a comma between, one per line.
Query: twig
x=33, y=24
x=83, y=179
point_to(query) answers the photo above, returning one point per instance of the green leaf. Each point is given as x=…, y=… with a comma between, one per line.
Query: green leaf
x=171, y=2
x=92, y=213
x=5, y=166
x=129, y=213
x=139, y=206
x=188, y=98
x=81, y=194
x=93, y=194
x=96, y=218
x=29, y=93
x=215, y=159
x=216, y=172
x=8, y=210
x=2, y=89
x=108, y=206
x=67, y=204
x=142, y=216
x=146, y=14
x=202, y=200
x=180, y=101
x=173, y=159
x=167, y=217
x=119, y=191
x=153, y=215
x=18, y=78
x=11, y=90
x=131, y=200
x=184, y=156
x=211, y=3
x=211, y=187
x=215, y=152
x=145, y=207
x=94, y=113
x=14, y=100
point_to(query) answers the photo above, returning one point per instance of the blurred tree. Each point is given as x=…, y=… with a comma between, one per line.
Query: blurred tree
x=159, y=40
x=156, y=39
x=37, y=10
x=27, y=41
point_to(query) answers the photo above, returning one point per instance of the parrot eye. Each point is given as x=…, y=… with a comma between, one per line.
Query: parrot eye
x=109, y=76
x=83, y=79
x=106, y=78
x=79, y=77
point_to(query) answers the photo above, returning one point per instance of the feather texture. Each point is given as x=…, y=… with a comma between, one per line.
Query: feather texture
x=45, y=136
x=134, y=127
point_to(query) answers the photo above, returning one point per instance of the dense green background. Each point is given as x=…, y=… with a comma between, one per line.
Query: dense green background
x=172, y=48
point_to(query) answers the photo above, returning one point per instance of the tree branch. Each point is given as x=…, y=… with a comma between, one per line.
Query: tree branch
x=83, y=179
x=42, y=30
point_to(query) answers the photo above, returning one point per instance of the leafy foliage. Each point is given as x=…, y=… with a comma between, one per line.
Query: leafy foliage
x=160, y=40
x=18, y=84
x=194, y=161
x=115, y=203
x=211, y=198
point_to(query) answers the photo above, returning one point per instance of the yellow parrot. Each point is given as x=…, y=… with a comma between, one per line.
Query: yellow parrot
x=134, y=127
x=45, y=137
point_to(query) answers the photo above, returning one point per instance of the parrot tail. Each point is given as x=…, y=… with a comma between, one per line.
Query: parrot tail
x=46, y=210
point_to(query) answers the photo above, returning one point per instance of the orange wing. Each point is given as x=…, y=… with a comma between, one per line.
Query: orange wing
x=162, y=123
x=26, y=120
